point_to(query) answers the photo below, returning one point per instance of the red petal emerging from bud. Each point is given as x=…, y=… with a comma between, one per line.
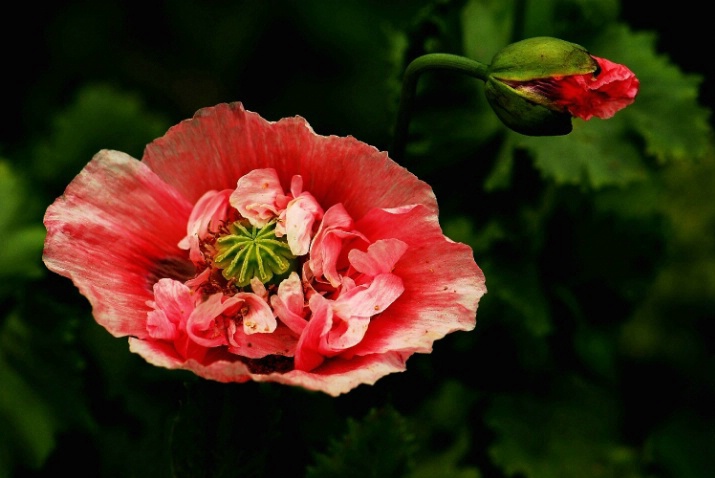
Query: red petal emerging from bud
x=611, y=88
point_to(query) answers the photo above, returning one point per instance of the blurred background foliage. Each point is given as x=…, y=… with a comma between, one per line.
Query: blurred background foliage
x=593, y=352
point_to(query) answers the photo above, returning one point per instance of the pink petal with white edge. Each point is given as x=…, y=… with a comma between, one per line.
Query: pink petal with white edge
x=114, y=233
x=289, y=303
x=369, y=300
x=338, y=376
x=334, y=378
x=281, y=342
x=255, y=196
x=380, y=257
x=443, y=284
x=222, y=368
x=300, y=216
x=206, y=217
x=312, y=348
x=206, y=325
x=258, y=317
x=336, y=228
x=225, y=142
x=173, y=304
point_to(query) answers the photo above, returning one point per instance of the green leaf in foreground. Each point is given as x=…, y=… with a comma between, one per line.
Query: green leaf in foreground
x=381, y=444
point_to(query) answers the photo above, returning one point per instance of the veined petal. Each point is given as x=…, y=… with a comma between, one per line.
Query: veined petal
x=282, y=341
x=112, y=250
x=371, y=299
x=312, y=348
x=258, y=318
x=380, y=257
x=207, y=325
x=289, y=303
x=338, y=376
x=221, y=367
x=173, y=304
x=206, y=217
x=325, y=254
x=256, y=194
x=442, y=283
x=300, y=216
x=225, y=142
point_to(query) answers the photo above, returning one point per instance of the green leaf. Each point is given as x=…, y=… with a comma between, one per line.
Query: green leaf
x=683, y=445
x=571, y=432
x=521, y=292
x=486, y=28
x=27, y=423
x=381, y=444
x=22, y=241
x=100, y=118
x=666, y=113
x=596, y=153
x=445, y=435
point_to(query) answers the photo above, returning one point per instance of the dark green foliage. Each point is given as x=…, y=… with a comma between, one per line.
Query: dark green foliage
x=380, y=445
x=593, y=351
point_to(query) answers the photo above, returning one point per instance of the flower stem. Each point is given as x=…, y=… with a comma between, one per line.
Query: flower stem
x=430, y=61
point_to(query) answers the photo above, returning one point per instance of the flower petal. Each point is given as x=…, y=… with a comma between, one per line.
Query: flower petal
x=300, y=215
x=225, y=142
x=282, y=341
x=256, y=194
x=173, y=304
x=206, y=326
x=380, y=257
x=325, y=254
x=338, y=376
x=113, y=250
x=289, y=303
x=206, y=217
x=258, y=318
x=442, y=283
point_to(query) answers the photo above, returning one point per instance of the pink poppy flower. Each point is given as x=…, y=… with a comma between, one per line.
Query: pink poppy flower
x=242, y=249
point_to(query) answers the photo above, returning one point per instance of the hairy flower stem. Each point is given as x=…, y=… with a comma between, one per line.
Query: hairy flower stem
x=428, y=62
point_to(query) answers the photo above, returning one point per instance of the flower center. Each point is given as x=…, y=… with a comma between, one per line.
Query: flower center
x=246, y=252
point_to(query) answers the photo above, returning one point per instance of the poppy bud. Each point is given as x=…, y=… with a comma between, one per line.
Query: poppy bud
x=535, y=86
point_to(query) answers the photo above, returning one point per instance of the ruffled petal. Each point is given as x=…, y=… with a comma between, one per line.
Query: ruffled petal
x=258, y=318
x=289, y=303
x=173, y=304
x=219, y=368
x=114, y=233
x=300, y=216
x=207, y=325
x=206, y=217
x=312, y=348
x=325, y=254
x=338, y=376
x=334, y=378
x=442, y=283
x=256, y=194
x=380, y=257
x=282, y=341
x=222, y=143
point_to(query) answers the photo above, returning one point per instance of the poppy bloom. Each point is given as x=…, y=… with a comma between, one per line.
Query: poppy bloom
x=536, y=86
x=242, y=249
